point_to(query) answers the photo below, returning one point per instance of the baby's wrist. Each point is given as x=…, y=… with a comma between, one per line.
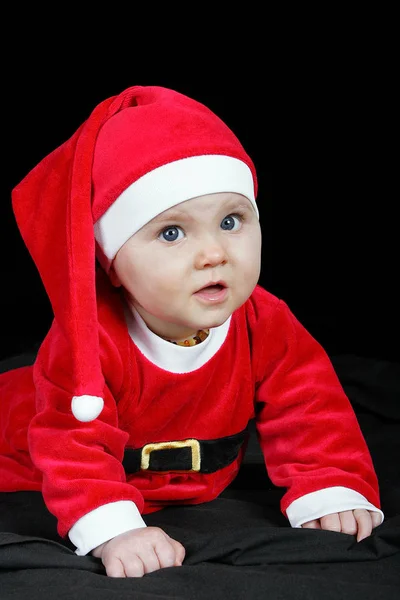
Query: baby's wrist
x=98, y=551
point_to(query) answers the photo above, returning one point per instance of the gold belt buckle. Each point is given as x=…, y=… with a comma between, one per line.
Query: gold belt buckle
x=149, y=448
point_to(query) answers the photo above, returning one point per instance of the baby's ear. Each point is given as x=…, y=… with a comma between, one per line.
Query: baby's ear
x=114, y=277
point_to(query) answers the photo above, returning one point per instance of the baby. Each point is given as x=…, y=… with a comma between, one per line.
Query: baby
x=163, y=350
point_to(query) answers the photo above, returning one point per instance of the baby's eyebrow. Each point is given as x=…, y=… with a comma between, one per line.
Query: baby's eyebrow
x=171, y=216
x=232, y=206
x=179, y=215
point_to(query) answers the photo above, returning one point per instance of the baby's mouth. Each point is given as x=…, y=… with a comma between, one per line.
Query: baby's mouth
x=212, y=289
x=214, y=293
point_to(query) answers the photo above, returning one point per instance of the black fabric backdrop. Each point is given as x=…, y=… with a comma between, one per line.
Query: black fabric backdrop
x=238, y=546
x=317, y=115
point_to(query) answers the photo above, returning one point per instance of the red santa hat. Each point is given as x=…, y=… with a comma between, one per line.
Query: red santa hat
x=138, y=154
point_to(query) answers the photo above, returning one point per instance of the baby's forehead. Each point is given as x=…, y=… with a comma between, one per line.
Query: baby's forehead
x=210, y=202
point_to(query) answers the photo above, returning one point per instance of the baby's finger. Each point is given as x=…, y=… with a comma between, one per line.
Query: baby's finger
x=348, y=522
x=331, y=522
x=315, y=524
x=114, y=567
x=166, y=552
x=376, y=518
x=364, y=523
x=150, y=561
x=134, y=566
x=179, y=552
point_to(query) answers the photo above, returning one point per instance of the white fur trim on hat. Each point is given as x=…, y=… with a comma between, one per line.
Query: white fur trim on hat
x=167, y=186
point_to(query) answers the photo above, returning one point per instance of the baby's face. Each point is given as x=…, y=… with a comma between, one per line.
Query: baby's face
x=192, y=265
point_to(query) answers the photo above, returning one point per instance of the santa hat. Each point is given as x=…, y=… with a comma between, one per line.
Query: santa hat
x=138, y=154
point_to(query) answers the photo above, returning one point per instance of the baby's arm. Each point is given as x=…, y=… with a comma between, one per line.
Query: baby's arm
x=311, y=440
x=139, y=551
x=358, y=522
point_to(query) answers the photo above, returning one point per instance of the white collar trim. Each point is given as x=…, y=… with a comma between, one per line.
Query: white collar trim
x=171, y=357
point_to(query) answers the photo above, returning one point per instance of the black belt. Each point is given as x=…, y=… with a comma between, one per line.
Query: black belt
x=203, y=456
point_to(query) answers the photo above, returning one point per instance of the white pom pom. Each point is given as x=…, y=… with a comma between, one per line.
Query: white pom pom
x=86, y=408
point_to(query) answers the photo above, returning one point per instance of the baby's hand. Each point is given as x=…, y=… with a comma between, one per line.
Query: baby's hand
x=358, y=521
x=139, y=551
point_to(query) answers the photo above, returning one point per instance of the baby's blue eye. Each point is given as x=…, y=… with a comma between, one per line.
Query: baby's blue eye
x=171, y=234
x=230, y=222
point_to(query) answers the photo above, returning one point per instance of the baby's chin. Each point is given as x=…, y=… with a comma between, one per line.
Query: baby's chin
x=220, y=317
x=212, y=323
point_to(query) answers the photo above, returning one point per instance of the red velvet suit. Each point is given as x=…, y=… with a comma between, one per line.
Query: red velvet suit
x=268, y=366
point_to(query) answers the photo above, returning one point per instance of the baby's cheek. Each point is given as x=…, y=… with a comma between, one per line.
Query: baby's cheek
x=250, y=263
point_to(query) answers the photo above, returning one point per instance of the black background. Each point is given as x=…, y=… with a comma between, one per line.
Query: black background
x=319, y=123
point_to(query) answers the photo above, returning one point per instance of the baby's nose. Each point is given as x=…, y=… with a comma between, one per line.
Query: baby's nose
x=210, y=254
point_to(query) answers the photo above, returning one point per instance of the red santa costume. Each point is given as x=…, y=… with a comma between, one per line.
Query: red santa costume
x=113, y=422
